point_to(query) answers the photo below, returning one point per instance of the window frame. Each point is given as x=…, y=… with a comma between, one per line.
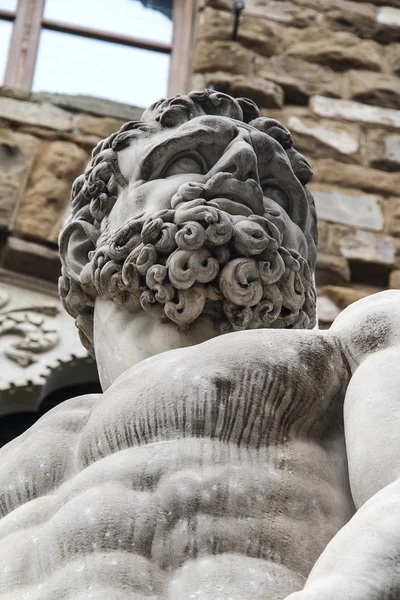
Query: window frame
x=29, y=21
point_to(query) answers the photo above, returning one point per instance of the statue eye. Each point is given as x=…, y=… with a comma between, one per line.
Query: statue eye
x=188, y=163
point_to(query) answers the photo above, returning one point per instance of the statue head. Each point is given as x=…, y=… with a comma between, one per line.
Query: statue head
x=198, y=211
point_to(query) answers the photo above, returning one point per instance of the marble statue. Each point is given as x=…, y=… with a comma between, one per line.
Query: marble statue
x=237, y=453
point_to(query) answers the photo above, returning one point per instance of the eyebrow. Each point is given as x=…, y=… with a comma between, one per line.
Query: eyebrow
x=153, y=162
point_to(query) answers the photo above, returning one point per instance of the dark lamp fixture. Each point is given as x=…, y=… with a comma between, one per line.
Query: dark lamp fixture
x=238, y=6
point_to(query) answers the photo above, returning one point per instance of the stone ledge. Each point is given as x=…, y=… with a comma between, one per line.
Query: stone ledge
x=338, y=50
x=364, y=20
x=334, y=3
x=377, y=89
x=265, y=94
x=356, y=177
x=286, y=12
x=368, y=247
x=324, y=138
x=354, y=111
x=100, y=107
x=300, y=79
x=31, y=113
x=348, y=207
x=222, y=56
x=77, y=103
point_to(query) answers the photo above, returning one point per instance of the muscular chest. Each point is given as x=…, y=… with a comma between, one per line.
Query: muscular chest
x=249, y=398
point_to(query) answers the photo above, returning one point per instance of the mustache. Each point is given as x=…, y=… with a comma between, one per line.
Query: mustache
x=247, y=193
x=196, y=223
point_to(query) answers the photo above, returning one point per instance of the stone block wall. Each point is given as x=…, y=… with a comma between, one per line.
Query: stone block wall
x=329, y=70
x=45, y=142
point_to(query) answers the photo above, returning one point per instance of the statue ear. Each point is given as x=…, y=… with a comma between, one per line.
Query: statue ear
x=76, y=241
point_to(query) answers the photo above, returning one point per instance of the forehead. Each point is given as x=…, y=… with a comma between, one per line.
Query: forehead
x=208, y=131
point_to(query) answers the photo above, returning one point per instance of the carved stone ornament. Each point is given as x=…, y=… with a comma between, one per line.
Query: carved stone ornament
x=29, y=323
x=236, y=452
x=37, y=338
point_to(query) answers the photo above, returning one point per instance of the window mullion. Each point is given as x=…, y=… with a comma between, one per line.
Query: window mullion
x=181, y=57
x=24, y=44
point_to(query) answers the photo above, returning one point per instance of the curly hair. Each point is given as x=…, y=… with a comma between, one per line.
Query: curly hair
x=95, y=192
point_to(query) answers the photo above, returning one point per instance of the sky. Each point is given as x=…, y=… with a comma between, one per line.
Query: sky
x=75, y=65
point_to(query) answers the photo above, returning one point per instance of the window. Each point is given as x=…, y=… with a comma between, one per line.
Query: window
x=131, y=51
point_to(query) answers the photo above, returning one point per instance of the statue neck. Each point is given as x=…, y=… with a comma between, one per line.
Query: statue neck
x=122, y=340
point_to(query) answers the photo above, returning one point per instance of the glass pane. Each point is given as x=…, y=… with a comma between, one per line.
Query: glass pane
x=149, y=19
x=5, y=36
x=8, y=4
x=70, y=64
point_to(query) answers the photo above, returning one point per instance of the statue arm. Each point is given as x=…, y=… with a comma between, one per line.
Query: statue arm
x=362, y=560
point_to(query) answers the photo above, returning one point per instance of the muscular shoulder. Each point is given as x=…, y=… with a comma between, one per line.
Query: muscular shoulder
x=369, y=325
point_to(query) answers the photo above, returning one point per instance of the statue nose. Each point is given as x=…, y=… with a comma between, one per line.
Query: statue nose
x=240, y=160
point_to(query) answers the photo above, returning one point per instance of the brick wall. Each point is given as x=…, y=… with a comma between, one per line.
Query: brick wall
x=329, y=70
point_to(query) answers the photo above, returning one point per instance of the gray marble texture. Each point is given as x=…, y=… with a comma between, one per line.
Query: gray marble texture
x=236, y=453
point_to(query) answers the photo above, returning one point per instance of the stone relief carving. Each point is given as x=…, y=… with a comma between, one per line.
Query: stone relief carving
x=235, y=452
x=28, y=322
x=37, y=341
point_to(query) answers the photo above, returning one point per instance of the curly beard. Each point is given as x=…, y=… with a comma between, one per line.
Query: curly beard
x=197, y=259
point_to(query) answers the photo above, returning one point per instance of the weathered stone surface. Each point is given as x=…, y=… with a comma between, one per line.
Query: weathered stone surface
x=332, y=269
x=258, y=34
x=364, y=20
x=389, y=16
x=379, y=89
x=392, y=58
x=88, y=142
x=290, y=73
x=330, y=4
x=283, y=451
x=338, y=49
x=265, y=93
x=283, y=12
x=327, y=310
x=325, y=139
x=323, y=236
x=348, y=207
x=383, y=149
x=354, y=111
x=394, y=280
x=48, y=190
x=89, y=104
x=16, y=93
x=31, y=113
x=214, y=25
x=394, y=216
x=220, y=4
x=261, y=35
x=97, y=126
x=27, y=257
x=17, y=153
x=365, y=246
x=342, y=296
x=355, y=176
x=220, y=56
